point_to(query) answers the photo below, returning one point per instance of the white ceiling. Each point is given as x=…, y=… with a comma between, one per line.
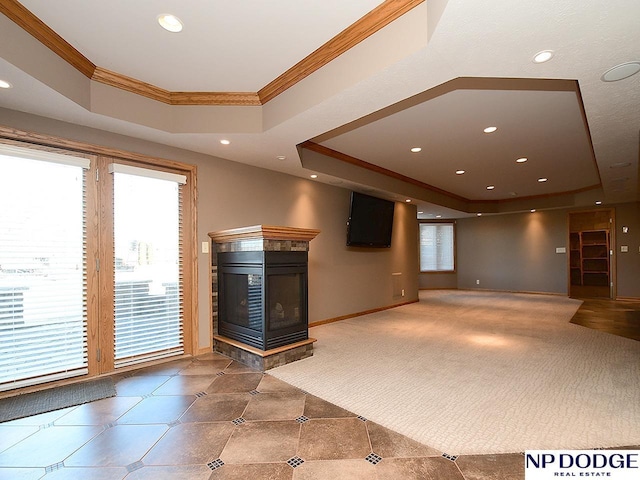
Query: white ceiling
x=232, y=46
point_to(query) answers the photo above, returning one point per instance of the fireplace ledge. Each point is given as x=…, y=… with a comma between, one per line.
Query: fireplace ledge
x=267, y=232
x=263, y=359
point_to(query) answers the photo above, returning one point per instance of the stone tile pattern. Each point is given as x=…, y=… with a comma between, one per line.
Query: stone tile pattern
x=196, y=429
x=263, y=244
x=258, y=362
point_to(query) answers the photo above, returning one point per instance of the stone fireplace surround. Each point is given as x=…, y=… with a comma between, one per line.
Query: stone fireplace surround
x=257, y=238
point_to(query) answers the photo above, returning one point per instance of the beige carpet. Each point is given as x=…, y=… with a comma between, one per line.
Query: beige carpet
x=480, y=372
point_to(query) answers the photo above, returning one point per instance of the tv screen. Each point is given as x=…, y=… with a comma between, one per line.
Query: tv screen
x=370, y=221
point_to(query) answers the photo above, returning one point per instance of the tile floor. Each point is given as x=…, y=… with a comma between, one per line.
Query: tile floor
x=213, y=418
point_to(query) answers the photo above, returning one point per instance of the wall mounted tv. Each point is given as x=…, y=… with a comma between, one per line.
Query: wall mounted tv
x=370, y=221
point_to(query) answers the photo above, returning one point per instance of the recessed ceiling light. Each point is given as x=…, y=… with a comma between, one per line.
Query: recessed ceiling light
x=459, y=172
x=620, y=72
x=543, y=56
x=598, y=202
x=438, y=216
x=420, y=213
x=313, y=176
x=416, y=149
x=533, y=210
x=5, y=84
x=490, y=187
x=521, y=160
x=408, y=200
x=225, y=142
x=281, y=157
x=479, y=214
x=490, y=129
x=170, y=22
x=542, y=180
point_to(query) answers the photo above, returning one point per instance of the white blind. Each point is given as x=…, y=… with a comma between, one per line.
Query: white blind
x=148, y=267
x=43, y=320
x=436, y=247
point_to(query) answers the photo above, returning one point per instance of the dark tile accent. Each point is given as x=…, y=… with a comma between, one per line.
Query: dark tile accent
x=295, y=462
x=302, y=419
x=449, y=457
x=238, y=421
x=361, y=418
x=254, y=392
x=373, y=458
x=215, y=464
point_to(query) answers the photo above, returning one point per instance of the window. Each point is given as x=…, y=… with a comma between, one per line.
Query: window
x=437, y=247
x=43, y=317
x=97, y=271
x=147, y=248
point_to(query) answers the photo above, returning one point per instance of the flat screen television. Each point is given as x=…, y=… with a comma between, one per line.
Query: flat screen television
x=370, y=221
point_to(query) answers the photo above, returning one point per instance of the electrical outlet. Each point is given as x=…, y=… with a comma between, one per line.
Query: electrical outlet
x=403, y=292
x=477, y=282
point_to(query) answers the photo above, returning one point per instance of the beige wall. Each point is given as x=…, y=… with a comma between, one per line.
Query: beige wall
x=342, y=280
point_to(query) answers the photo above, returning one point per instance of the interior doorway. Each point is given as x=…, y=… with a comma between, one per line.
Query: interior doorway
x=591, y=266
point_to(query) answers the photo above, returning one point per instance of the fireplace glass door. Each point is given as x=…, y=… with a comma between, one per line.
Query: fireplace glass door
x=243, y=300
x=284, y=299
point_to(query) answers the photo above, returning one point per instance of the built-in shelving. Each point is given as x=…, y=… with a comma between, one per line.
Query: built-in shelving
x=589, y=258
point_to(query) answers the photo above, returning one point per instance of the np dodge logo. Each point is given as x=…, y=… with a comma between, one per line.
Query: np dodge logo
x=610, y=464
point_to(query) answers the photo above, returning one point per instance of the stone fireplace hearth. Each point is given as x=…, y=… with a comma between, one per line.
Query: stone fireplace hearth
x=259, y=293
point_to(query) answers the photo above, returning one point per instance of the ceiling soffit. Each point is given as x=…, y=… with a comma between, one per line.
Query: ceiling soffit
x=545, y=122
x=385, y=13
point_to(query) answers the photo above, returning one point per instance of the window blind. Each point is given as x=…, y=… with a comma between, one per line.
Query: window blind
x=148, y=266
x=436, y=247
x=43, y=288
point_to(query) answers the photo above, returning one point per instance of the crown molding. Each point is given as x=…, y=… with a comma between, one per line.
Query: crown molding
x=379, y=17
x=376, y=19
x=31, y=24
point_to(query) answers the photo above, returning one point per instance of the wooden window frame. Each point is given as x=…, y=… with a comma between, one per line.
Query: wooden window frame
x=99, y=218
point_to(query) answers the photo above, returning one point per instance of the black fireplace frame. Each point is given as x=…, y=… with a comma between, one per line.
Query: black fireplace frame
x=266, y=264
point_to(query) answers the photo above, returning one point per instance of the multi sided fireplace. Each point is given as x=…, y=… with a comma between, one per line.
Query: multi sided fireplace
x=260, y=288
x=263, y=297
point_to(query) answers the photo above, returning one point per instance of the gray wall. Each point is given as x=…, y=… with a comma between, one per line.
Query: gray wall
x=517, y=252
x=342, y=280
x=628, y=264
x=513, y=252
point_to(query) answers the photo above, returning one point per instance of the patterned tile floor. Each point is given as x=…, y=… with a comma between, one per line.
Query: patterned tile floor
x=213, y=418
